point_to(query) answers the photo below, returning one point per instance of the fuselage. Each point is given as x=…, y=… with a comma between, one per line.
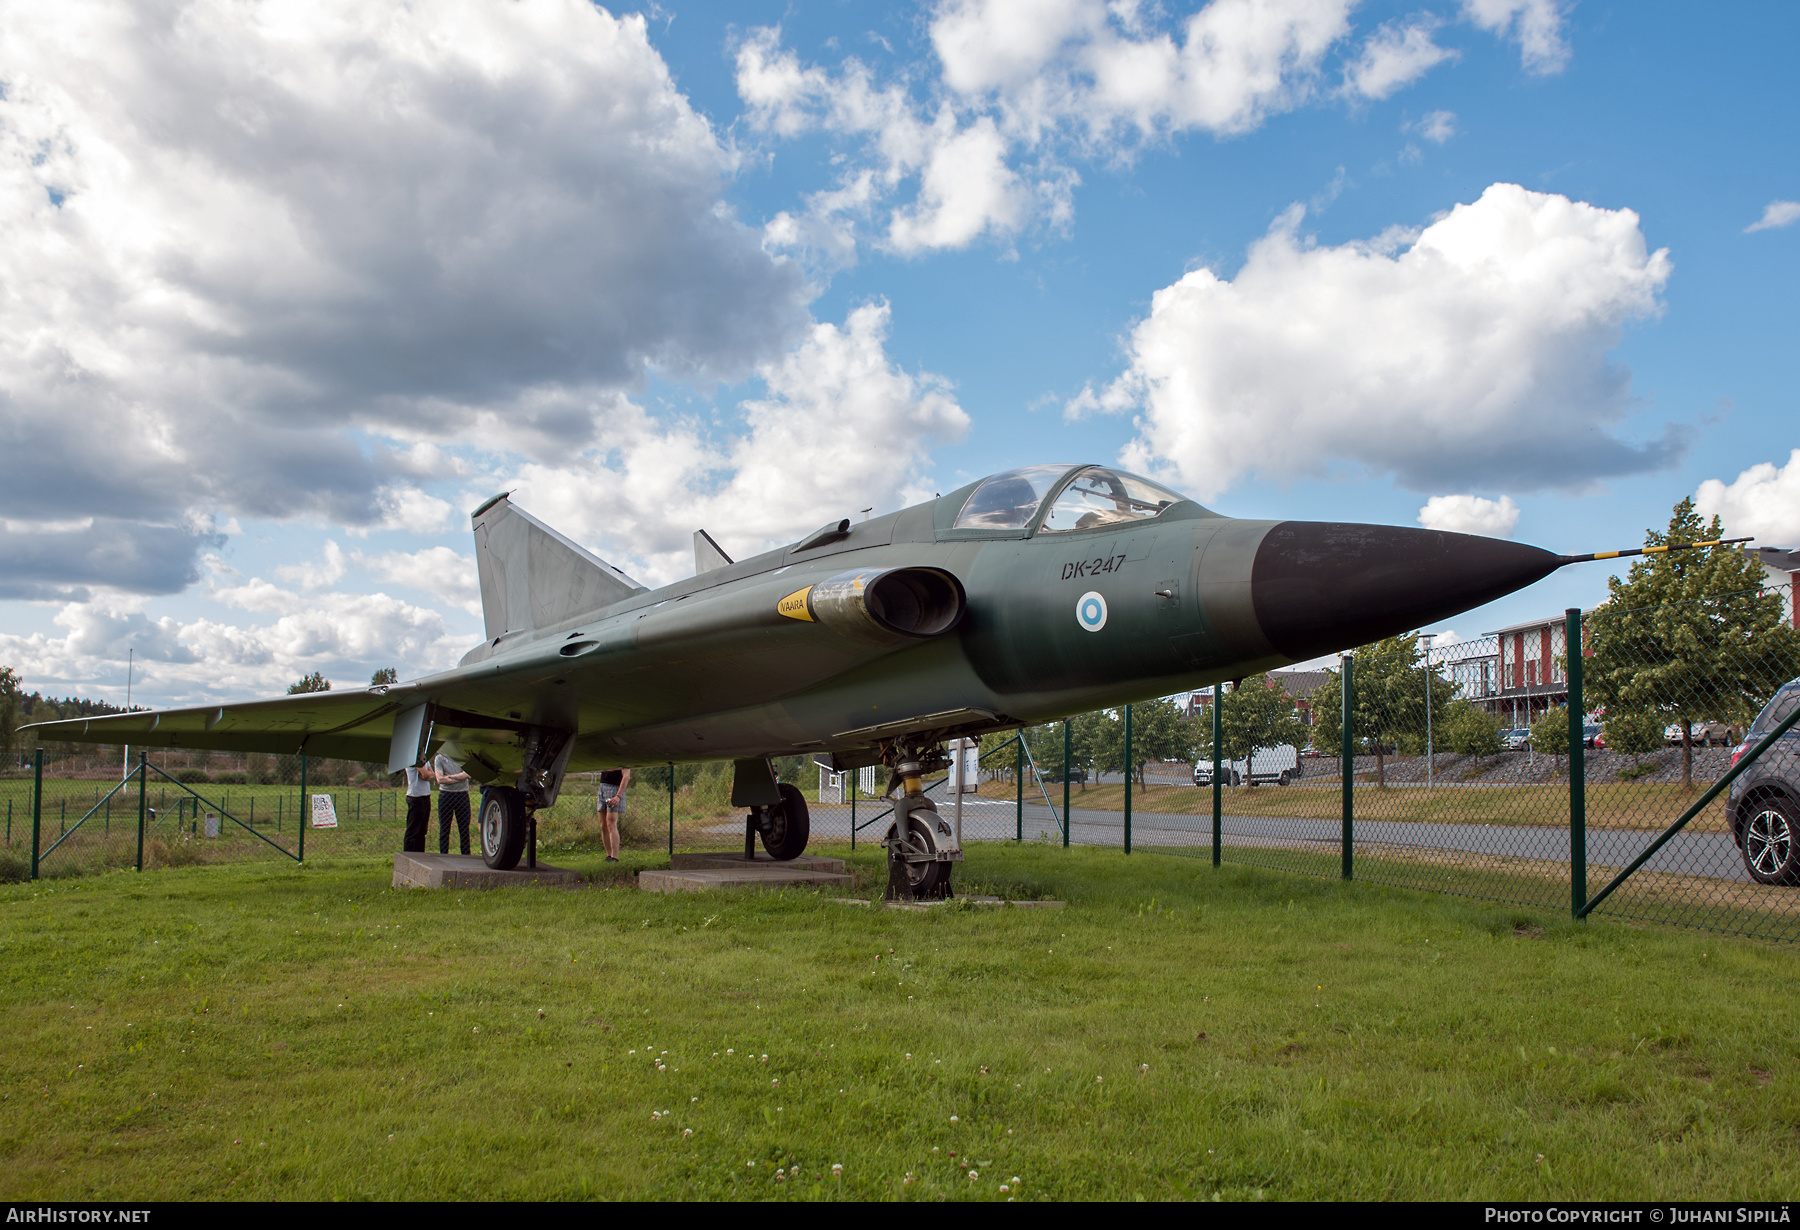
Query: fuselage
x=1062, y=614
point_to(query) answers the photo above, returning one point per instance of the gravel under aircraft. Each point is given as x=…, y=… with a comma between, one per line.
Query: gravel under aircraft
x=1023, y=598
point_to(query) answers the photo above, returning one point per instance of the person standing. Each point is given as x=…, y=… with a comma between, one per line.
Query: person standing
x=610, y=803
x=418, y=807
x=453, y=802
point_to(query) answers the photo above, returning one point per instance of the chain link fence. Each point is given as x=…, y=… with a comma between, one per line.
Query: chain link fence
x=1637, y=763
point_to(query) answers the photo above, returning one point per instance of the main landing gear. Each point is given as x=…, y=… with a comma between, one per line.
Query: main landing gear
x=508, y=819
x=921, y=846
x=784, y=826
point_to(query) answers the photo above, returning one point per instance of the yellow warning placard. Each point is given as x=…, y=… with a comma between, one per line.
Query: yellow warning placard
x=794, y=605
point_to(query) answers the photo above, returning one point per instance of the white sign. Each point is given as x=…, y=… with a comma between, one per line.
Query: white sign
x=324, y=813
x=965, y=766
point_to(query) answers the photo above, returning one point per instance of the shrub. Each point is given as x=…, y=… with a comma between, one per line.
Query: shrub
x=191, y=776
x=1470, y=731
x=1634, y=733
x=14, y=867
x=231, y=777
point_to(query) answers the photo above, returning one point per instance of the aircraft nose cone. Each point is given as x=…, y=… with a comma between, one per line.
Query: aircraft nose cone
x=1320, y=586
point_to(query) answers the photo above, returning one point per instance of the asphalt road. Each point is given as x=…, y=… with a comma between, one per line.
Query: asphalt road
x=1713, y=855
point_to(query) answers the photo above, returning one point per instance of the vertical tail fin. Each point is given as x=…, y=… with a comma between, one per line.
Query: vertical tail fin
x=708, y=554
x=532, y=577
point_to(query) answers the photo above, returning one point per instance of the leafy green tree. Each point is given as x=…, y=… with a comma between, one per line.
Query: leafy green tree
x=1258, y=714
x=1634, y=733
x=9, y=715
x=314, y=682
x=388, y=674
x=1550, y=733
x=1689, y=635
x=1159, y=731
x=1387, y=706
x=1469, y=730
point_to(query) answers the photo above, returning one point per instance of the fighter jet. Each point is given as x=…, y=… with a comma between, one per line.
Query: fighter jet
x=1023, y=598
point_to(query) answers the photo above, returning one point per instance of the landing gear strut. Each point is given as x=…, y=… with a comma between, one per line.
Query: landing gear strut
x=921, y=846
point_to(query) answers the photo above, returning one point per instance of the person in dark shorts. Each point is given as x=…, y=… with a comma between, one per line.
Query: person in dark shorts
x=453, y=802
x=418, y=807
x=609, y=803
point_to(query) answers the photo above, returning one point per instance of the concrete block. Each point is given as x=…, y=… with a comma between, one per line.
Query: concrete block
x=467, y=871
x=770, y=875
x=735, y=858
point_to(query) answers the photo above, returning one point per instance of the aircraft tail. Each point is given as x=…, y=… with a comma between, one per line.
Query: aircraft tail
x=532, y=577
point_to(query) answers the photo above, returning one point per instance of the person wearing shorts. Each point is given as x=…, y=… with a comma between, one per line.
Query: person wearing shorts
x=418, y=807
x=453, y=802
x=609, y=803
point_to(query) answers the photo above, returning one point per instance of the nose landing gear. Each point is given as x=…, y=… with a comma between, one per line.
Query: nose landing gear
x=921, y=847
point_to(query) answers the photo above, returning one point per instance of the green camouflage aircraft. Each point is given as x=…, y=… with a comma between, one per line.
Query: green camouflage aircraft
x=1023, y=598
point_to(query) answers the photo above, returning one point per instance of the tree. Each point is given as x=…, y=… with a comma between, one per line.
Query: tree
x=1159, y=731
x=1258, y=714
x=314, y=682
x=1469, y=730
x=1550, y=733
x=1634, y=733
x=1388, y=702
x=386, y=674
x=1689, y=636
x=9, y=715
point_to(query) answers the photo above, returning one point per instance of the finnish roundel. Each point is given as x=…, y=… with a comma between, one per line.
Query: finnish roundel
x=1090, y=611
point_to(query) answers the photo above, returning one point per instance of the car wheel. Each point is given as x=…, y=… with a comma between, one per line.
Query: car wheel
x=1771, y=854
x=1286, y=777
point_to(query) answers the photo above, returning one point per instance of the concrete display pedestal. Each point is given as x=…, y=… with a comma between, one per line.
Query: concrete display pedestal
x=694, y=872
x=467, y=871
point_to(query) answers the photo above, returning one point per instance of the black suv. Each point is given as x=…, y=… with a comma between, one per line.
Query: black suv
x=1765, y=802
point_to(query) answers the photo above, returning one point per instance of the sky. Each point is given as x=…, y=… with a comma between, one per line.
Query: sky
x=288, y=289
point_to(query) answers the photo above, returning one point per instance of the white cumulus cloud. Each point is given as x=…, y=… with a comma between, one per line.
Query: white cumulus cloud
x=1451, y=355
x=1470, y=514
x=1537, y=26
x=1763, y=500
x=247, y=242
x=1776, y=215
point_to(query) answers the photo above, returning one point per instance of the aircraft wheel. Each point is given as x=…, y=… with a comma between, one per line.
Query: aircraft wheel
x=789, y=825
x=923, y=877
x=1771, y=845
x=502, y=827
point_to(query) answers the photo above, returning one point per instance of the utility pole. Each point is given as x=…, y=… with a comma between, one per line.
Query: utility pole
x=1428, y=637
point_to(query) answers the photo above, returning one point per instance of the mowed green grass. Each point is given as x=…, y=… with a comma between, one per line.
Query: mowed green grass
x=269, y=1032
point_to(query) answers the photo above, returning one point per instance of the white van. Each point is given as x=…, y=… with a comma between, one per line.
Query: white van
x=1270, y=765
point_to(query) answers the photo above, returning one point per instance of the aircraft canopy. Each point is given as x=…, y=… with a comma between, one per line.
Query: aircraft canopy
x=1093, y=496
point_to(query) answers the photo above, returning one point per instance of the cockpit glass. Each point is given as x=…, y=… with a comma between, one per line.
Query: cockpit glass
x=1008, y=501
x=1098, y=496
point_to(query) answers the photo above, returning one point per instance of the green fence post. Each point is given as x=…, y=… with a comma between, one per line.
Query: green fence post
x=1128, y=779
x=143, y=799
x=300, y=822
x=1347, y=758
x=1218, y=790
x=671, y=810
x=1019, y=786
x=37, y=806
x=1068, y=749
x=1577, y=767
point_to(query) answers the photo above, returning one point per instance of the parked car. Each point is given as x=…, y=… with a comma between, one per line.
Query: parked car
x=1516, y=739
x=1271, y=765
x=1591, y=735
x=1764, y=803
x=1077, y=776
x=1309, y=752
x=1706, y=734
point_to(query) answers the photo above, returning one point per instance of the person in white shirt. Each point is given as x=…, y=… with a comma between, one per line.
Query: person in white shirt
x=453, y=802
x=418, y=807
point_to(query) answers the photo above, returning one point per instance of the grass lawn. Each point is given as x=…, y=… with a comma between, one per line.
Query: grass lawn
x=267, y=1031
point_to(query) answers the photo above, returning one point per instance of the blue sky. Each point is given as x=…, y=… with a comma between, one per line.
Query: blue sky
x=271, y=334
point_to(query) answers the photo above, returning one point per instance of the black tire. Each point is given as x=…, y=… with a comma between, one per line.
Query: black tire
x=502, y=825
x=1235, y=779
x=923, y=877
x=1771, y=844
x=1287, y=778
x=788, y=825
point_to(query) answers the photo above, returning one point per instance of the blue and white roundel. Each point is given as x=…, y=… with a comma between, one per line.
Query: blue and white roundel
x=1090, y=611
